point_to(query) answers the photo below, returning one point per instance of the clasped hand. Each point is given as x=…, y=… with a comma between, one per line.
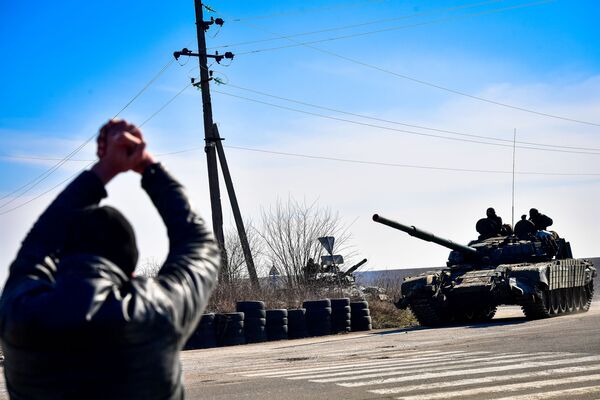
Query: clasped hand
x=121, y=147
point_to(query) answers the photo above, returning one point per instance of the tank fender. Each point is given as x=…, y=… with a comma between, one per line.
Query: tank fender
x=417, y=286
x=525, y=279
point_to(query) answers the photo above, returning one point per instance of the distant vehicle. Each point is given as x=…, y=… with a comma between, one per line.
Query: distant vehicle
x=537, y=272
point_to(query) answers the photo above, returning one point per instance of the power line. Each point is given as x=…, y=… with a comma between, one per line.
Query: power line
x=405, y=124
x=47, y=191
x=164, y=105
x=396, y=129
x=305, y=11
x=344, y=27
x=430, y=84
x=22, y=190
x=354, y=161
x=393, y=28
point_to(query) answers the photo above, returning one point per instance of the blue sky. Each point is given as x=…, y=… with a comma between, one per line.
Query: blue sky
x=69, y=66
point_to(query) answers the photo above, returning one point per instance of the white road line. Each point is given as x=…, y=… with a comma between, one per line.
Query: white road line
x=513, y=387
x=277, y=372
x=489, y=379
x=442, y=367
x=561, y=394
x=399, y=367
x=445, y=374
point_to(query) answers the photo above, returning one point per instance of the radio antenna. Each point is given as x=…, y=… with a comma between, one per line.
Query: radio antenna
x=513, y=175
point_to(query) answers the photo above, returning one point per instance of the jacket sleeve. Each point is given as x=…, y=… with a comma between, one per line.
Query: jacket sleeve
x=46, y=238
x=186, y=279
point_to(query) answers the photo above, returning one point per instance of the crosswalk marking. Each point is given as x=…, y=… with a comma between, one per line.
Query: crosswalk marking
x=440, y=363
x=447, y=374
x=490, y=379
x=557, y=394
x=512, y=387
x=277, y=372
x=452, y=374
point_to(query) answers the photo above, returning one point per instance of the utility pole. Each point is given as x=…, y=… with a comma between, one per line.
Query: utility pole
x=209, y=139
x=213, y=147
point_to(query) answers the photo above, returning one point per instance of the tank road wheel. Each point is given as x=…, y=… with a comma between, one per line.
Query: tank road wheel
x=570, y=297
x=562, y=305
x=485, y=313
x=538, y=306
x=554, y=302
x=577, y=299
x=587, y=295
x=427, y=313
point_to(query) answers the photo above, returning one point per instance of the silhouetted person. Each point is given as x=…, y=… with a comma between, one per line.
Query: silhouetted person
x=74, y=322
x=311, y=270
x=541, y=221
x=525, y=229
x=490, y=226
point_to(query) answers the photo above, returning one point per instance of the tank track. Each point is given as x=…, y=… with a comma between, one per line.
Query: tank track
x=427, y=313
x=550, y=303
x=536, y=307
x=589, y=292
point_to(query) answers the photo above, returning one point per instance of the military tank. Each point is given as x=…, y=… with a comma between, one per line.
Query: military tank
x=536, y=272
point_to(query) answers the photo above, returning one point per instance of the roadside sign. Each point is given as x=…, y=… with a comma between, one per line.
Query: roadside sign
x=327, y=243
x=331, y=260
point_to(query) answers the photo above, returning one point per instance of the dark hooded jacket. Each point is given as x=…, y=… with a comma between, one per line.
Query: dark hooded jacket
x=79, y=328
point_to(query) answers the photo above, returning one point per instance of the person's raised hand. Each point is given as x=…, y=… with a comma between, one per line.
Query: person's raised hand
x=116, y=126
x=120, y=148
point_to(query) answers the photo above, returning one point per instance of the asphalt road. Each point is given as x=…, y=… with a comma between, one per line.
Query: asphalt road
x=508, y=358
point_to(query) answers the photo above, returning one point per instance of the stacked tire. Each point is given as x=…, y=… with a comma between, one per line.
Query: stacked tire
x=230, y=329
x=277, y=324
x=254, y=320
x=297, y=324
x=204, y=336
x=318, y=317
x=340, y=315
x=360, y=316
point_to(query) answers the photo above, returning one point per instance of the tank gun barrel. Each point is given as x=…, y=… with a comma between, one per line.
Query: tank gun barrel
x=424, y=235
x=354, y=267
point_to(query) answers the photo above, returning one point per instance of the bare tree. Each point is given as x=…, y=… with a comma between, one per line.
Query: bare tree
x=290, y=232
x=148, y=267
x=236, y=261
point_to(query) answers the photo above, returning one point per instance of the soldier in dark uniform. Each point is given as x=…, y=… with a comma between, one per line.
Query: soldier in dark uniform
x=525, y=229
x=490, y=226
x=310, y=270
x=541, y=221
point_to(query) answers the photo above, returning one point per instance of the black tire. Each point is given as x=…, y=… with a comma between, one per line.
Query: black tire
x=255, y=334
x=337, y=303
x=232, y=317
x=248, y=322
x=318, y=313
x=277, y=316
x=297, y=324
x=251, y=309
x=345, y=309
x=341, y=315
x=229, y=328
x=361, y=312
x=357, y=305
x=315, y=304
x=207, y=318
